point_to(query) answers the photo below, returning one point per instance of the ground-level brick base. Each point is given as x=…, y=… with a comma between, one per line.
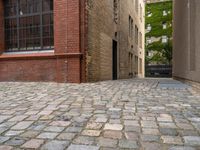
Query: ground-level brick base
x=41, y=67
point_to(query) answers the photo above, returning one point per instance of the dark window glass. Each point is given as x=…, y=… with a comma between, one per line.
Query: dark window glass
x=29, y=25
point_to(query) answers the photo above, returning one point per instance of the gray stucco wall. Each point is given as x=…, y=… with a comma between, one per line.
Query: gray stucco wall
x=186, y=55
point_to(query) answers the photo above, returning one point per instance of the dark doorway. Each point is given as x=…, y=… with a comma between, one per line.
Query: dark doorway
x=114, y=60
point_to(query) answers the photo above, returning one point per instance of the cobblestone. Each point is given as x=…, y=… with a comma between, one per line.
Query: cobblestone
x=121, y=115
x=55, y=145
x=117, y=127
x=192, y=140
x=33, y=144
x=128, y=144
x=82, y=147
x=172, y=140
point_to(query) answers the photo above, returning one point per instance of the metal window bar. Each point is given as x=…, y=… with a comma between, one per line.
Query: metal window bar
x=24, y=31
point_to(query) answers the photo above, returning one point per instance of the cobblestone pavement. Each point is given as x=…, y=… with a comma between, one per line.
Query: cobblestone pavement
x=150, y=114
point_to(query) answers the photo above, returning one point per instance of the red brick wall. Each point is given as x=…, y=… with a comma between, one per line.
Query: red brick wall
x=65, y=64
x=33, y=70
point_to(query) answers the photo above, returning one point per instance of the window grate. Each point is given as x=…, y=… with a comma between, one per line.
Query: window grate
x=29, y=25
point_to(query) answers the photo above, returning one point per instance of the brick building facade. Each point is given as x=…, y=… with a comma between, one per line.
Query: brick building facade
x=70, y=40
x=115, y=40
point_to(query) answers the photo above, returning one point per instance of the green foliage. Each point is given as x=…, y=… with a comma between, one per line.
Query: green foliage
x=156, y=32
x=155, y=46
x=167, y=52
x=163, y=52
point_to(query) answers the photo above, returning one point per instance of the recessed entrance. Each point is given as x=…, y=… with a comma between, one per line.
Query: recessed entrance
x=114, y=58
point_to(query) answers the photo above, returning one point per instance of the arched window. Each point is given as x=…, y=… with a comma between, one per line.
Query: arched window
x=28, y=25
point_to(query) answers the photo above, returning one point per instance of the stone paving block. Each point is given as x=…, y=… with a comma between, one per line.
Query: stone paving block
x=164, y=119
x=150, y=131
x=4, y=117
x=54, y=129
x=132, y=129
x=106, y=142
x=7, y=124
x=60, y=123
x=150, y=138
x=47, y=135
x=188, y=132
x=33, y=118
x=117, y=127
x=38, y=126
x=13, y=133
x=113, y=134
x=3, y=139
x=47, y=117
x=85, y=140
x=82, y=147
x=33, y=144
x=91, y=132
x=74, y=129
x=22, y=125
x=182, y=148
x=107, y=148
x=167, y=125
x=165, y=131
x=195, y=119
x=132, y=136
x=172, y=140
x=29, y=134
x=129, y=144
x=66, y=136
x=152, y=146
x=131, y=123
x=115, y=121
x=18, y=118
x=192, y=140
x=101, y=120
x=148, y=118
x=45, y=112
x=31, y=112
x=2, y=130
x=94, y=126
x=4, y=147
x=55, y=145
x=16, y=141
x=185, y=126
x=149, y=124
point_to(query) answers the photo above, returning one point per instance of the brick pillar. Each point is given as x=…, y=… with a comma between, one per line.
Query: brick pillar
x=67, y=26
x=2, y=41
x=67, y=39
x=84, y=38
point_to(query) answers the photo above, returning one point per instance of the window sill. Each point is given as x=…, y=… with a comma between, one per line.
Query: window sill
x=40, y=55
x=29, y=52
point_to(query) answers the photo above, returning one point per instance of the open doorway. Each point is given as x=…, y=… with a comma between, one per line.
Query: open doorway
x=114, y=58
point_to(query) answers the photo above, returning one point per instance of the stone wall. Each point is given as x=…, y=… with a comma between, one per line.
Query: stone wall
x=186, y=64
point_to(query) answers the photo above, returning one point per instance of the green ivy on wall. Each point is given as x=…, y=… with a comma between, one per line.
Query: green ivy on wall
x=162, y=51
